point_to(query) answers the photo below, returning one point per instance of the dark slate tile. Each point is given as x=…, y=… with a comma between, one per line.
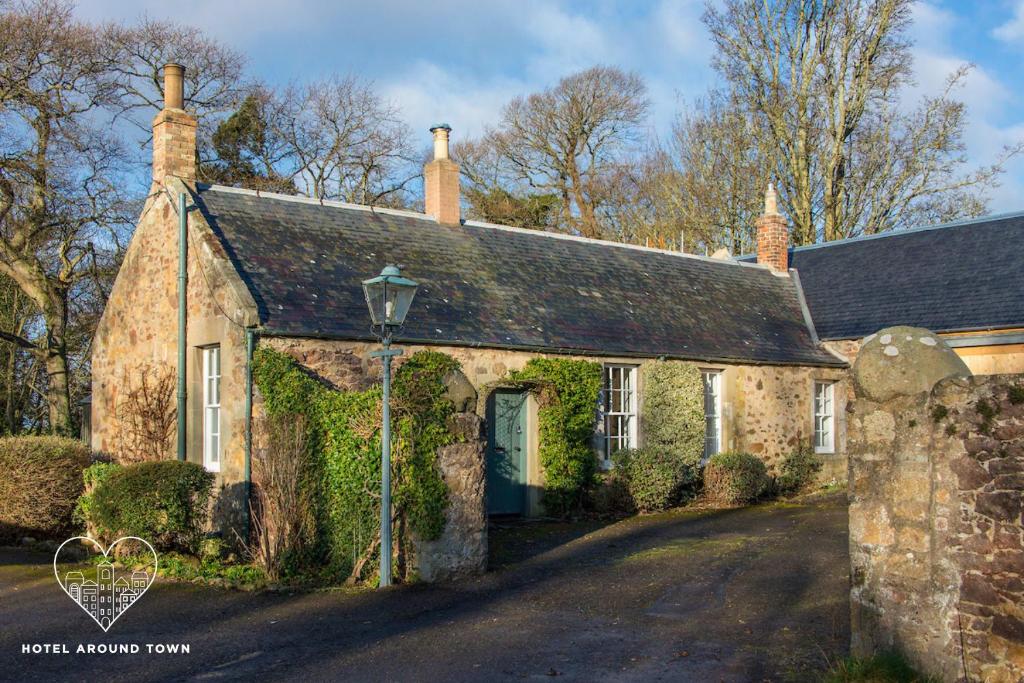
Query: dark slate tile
x=488, y=286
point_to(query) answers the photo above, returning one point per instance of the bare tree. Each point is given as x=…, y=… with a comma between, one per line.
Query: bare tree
x=822, y=81
x=214, y=83
x=337, y=139
x=564, y=141
x=720, y=174
x=59, y=197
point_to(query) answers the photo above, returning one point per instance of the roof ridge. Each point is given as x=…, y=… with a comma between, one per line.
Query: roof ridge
x=476, y=224
x=960, y=223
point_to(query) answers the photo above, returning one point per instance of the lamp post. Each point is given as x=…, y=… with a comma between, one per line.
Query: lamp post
x=388, y=297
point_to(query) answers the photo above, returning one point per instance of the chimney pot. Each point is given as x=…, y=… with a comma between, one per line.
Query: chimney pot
x=441, y=181
x=441, y=132
x=174, y=86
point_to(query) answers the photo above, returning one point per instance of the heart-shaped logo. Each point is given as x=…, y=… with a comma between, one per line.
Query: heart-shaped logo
x=101, y=591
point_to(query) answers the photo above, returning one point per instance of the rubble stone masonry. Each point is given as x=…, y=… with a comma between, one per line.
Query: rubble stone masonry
x=936, y=537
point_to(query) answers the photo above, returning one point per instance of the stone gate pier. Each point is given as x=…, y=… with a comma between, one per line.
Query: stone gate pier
x=936, y=479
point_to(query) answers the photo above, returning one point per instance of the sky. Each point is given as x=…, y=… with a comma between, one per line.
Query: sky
x=459, y=61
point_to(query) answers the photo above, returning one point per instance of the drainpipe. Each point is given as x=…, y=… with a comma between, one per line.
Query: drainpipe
x=182, y=285
x=250, y=343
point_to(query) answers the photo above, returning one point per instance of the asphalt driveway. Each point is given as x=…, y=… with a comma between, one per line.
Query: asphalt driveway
x=740, y=595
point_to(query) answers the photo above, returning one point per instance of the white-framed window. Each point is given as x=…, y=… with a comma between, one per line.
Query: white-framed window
x=211, y=408
x=824, y=417
x=619, y=409
x=712, y=412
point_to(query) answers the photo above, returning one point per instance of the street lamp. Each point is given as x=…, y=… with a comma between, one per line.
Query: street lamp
x=388, y=297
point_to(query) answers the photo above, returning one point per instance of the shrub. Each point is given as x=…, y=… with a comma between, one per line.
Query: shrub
x=610, y=495
x=799, y=470
x=40, y=481
x=93, y=475
x=567, y=414
x=165, y=503
x=673, y=414
x=735, y=478
x=653, y=477
x=281, y=505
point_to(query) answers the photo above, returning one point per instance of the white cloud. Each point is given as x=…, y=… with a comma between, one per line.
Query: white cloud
x=1013, y=30
x=428, y=93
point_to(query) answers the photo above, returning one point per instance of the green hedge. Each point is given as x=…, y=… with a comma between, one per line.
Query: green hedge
x=344, y=442
x=672, y=414
x=40, y=481
x=92, y=477
x=567, y=414
x=652, y=476
x=164, y=502
x=735, y=478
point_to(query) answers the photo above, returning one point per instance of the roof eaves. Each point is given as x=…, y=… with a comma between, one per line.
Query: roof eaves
x=832, y=360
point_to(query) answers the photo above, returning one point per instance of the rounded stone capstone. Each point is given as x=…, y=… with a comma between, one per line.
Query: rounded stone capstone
x=459, y=390
x=903, y=361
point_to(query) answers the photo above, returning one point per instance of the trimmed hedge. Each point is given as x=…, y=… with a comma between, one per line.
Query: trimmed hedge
x=40, y=481
x=164, y=502
x=652, y=476
x=735, y=478
x=672, y=414
x=92, y=477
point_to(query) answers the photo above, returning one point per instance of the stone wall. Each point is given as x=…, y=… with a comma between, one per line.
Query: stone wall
x=936, y=538
x=772, y=413
x=138, y=332
x=767, y=410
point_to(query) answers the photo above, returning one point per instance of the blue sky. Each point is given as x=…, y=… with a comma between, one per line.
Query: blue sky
x=458, y=61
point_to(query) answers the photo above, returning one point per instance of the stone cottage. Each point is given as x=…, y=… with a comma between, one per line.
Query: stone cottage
x=265, y=269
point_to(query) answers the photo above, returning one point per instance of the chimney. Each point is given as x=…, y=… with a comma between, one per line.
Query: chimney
x=772, y=235
x=174, y=131
x=441, y=181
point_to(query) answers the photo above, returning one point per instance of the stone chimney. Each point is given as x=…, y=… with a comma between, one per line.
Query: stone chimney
x=772, y=235
x=174, y=131
x=441, y=181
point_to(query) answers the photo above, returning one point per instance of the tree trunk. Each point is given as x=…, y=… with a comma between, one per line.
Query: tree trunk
x=58, y=389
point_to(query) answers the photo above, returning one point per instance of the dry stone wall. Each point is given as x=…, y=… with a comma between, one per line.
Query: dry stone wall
x=936, y=537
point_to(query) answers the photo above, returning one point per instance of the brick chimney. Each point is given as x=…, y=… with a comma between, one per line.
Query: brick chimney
x=772, y=235
x=441, y=181
x=174, y=131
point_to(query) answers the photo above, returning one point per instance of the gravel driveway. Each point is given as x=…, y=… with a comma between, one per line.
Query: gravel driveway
x=738, y=595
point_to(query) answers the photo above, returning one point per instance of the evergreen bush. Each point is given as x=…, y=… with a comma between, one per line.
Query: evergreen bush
x=652, y=476
x=164, y=502
x=672, y=416
x=569, y=391
x=799, y=470
x=93, y=475
x=735, y=478
x=40, y=481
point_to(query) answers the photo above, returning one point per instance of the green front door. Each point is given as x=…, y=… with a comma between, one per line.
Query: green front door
x=506, y=452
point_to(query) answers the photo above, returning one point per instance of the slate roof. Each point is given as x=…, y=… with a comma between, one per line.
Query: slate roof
x=494, y=286
x=959, y=276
